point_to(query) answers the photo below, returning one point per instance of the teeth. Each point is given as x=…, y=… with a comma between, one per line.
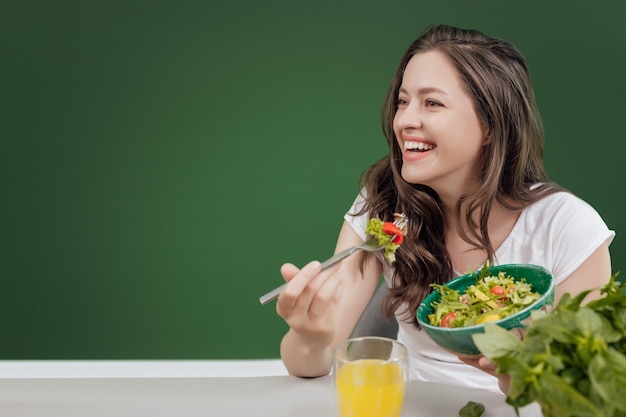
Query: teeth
x=418, y=145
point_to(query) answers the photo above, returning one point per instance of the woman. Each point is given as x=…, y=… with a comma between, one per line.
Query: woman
x=465, y=164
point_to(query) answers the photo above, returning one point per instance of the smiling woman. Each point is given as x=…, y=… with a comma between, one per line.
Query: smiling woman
x=465, y=164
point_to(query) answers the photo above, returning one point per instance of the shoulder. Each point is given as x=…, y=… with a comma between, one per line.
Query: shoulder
x=562, y=207
x=560, y=199
x=561, y=220
x=560, y=231
x=564, y=211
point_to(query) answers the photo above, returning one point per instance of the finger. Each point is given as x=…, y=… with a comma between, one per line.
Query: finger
x=297, y=285
x=288, y=271
x=310, y=291
x=487, y=365
x=490, y=367
x=470, y=359
x=301, y=289
x=312, y=287
x=326, y=296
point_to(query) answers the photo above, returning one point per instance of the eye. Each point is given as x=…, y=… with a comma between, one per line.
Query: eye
x=433, y=103
x=401, y=102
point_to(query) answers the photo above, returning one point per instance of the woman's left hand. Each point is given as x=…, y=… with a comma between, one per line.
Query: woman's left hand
x=485, y=365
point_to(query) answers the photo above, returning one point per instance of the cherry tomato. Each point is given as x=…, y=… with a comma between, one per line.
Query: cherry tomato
x=497, y=290
x=392, y=229
x=445, y=321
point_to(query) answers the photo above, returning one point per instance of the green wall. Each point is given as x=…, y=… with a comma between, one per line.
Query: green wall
x=160, y=160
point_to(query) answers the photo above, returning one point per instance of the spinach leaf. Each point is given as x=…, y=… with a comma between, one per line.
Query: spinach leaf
x=568, y=401
x=496, y=341
x=472, y=409
x=606, y=372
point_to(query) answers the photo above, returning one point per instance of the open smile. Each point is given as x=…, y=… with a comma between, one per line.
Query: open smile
x=416, y=150
x=415, y=146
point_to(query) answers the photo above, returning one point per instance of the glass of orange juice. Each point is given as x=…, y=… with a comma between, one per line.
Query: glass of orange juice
x=370, y=376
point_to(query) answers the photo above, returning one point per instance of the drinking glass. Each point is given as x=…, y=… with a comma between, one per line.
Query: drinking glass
x=370, y=377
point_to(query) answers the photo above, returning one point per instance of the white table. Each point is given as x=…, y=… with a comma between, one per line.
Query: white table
x=52, y=395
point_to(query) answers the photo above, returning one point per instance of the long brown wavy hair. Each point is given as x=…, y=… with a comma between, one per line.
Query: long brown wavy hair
x=495, y=74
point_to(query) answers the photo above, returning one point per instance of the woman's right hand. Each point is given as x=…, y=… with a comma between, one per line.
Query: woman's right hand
x=322, y=307
x=309, y=303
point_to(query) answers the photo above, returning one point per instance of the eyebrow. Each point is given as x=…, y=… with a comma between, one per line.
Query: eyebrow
x=425, y=90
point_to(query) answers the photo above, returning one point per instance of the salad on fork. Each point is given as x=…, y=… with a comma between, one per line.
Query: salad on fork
x=387, y=236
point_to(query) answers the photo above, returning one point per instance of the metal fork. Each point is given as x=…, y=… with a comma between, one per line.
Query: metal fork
x=371, y=245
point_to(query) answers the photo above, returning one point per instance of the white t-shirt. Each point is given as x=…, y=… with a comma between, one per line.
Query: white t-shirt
x=558, y=232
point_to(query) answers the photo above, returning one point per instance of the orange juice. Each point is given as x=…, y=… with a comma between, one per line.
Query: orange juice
x=370, y=388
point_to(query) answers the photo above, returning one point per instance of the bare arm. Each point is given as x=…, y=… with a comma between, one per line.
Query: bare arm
x=592, y=274
x=322, y=308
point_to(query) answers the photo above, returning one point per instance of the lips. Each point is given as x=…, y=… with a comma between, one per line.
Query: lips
x=416, y=149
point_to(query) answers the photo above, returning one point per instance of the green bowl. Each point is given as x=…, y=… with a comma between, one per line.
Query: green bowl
x=459, y=339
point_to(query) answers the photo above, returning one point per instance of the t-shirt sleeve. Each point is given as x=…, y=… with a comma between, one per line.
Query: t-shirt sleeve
x=577, y=230
x=357, y=222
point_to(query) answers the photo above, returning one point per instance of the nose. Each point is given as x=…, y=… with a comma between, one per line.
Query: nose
x=408, y=117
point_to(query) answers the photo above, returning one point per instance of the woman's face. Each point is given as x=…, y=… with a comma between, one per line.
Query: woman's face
x=437, y=128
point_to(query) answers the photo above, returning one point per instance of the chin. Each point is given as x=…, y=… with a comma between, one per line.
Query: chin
x=411, y=178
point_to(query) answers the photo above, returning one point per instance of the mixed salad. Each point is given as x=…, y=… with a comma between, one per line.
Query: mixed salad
x=388, y=234
x=492, y=298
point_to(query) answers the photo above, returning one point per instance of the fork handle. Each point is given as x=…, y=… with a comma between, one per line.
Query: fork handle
x=338, y=257
x=272, y=295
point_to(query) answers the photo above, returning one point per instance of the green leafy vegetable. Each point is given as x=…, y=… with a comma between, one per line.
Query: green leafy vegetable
x=472, y=409
x=572, y=360
x=375, y=231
